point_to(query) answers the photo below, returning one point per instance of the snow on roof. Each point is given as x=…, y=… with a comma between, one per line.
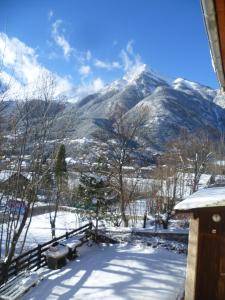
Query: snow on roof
x=207, y=197
x=219, y=162
x=70, y=161
x=204, y=179
x=219, y=179
x=6, y=174
x=128, y=168
x=148, y=168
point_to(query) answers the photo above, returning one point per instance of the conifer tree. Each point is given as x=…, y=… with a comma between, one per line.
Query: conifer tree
x=60, y=166
x=60, y=177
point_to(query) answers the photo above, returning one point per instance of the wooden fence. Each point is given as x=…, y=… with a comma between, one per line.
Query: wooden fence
x=35, y=258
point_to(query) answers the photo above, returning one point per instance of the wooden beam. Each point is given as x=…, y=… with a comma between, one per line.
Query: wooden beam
x=220, y=15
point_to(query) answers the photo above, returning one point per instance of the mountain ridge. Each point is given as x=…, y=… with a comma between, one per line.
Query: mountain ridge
x=171, y=107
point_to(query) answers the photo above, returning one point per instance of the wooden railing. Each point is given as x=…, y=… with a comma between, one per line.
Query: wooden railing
x=35, y=258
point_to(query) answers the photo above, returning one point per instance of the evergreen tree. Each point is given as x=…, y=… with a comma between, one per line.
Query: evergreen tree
x=61, y=182
x=60, y=165
x=96, y=196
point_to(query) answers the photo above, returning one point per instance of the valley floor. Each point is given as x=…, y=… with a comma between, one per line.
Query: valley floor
x=115, y=272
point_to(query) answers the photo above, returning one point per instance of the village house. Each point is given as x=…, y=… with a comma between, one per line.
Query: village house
x=11, y=181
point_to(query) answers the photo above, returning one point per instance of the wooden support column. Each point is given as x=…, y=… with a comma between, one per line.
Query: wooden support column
x=191, y=272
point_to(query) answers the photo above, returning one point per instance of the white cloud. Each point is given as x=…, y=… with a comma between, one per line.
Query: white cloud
x=22, y=69
x=107, y=65
x=127, y=62
x=88, y=55
x=130, y=59
x=60, y=39
x=97, y=84
x=129, y=47
x=86, y=89
x=50, y=14
x=22, y=62
x=58, y=35
x=85, y=70
x=20, y=59
x=63, y=85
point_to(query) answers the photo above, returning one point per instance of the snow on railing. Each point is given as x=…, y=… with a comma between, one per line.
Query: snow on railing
x=35, y=258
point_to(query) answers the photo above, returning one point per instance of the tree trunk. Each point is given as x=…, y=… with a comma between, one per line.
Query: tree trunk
x=122, y=199
x=124, y=217
x=97, y=216
x=165, y=224
x=15, y=239
x=145, y=219
x=52, y=222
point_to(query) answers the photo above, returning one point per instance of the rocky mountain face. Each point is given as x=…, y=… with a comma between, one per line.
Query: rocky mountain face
x=170, y=108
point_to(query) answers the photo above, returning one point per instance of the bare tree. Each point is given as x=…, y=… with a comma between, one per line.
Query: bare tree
x=30, y=128
x=119, y=143
x=194, y=153
x=179, y=171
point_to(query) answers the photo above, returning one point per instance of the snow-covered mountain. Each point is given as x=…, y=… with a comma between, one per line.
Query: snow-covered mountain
x=171, y=107
x=190, y=88
x=169, y=111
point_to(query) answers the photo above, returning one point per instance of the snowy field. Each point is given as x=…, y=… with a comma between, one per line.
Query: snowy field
x=40, y=232
x=115, y=272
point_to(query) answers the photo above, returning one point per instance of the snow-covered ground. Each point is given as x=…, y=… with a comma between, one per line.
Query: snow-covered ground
x=115, y=272
x=40, y=232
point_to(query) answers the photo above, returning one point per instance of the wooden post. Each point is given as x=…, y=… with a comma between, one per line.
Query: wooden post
x=145, y=219
x=190, y=284
x=17, y=266
x=97, y=213
x=39, y=256
x=4, y=272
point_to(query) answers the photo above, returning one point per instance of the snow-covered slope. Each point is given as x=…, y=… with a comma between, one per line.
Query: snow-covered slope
x=170, y=107
x=94, y=110
x=220, y=99
x=190, y=87
x=169, y=111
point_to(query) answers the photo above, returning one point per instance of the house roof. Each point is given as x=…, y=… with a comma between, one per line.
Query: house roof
x=214, y=16
x=6, y=174
x=207, y=197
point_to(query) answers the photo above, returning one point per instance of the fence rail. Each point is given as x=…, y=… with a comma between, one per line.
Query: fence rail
x=35, y=258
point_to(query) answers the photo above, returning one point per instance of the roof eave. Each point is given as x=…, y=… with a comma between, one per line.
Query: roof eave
x=210, y=19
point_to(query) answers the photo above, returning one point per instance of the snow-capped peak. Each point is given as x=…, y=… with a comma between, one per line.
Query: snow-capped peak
x=135, y=72
x=190, y=86
x=177, y=83
x=140, y=76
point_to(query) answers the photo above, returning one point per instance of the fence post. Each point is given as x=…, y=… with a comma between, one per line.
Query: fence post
x=17, y=266
x=67, y=235
x=39, y=256
x=4, y=272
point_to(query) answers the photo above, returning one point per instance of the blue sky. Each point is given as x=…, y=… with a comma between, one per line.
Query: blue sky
x=87, y=43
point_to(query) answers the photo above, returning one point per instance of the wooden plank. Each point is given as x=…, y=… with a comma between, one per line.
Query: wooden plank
x=220, y=16
x=207, y=276
x=211, y=256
